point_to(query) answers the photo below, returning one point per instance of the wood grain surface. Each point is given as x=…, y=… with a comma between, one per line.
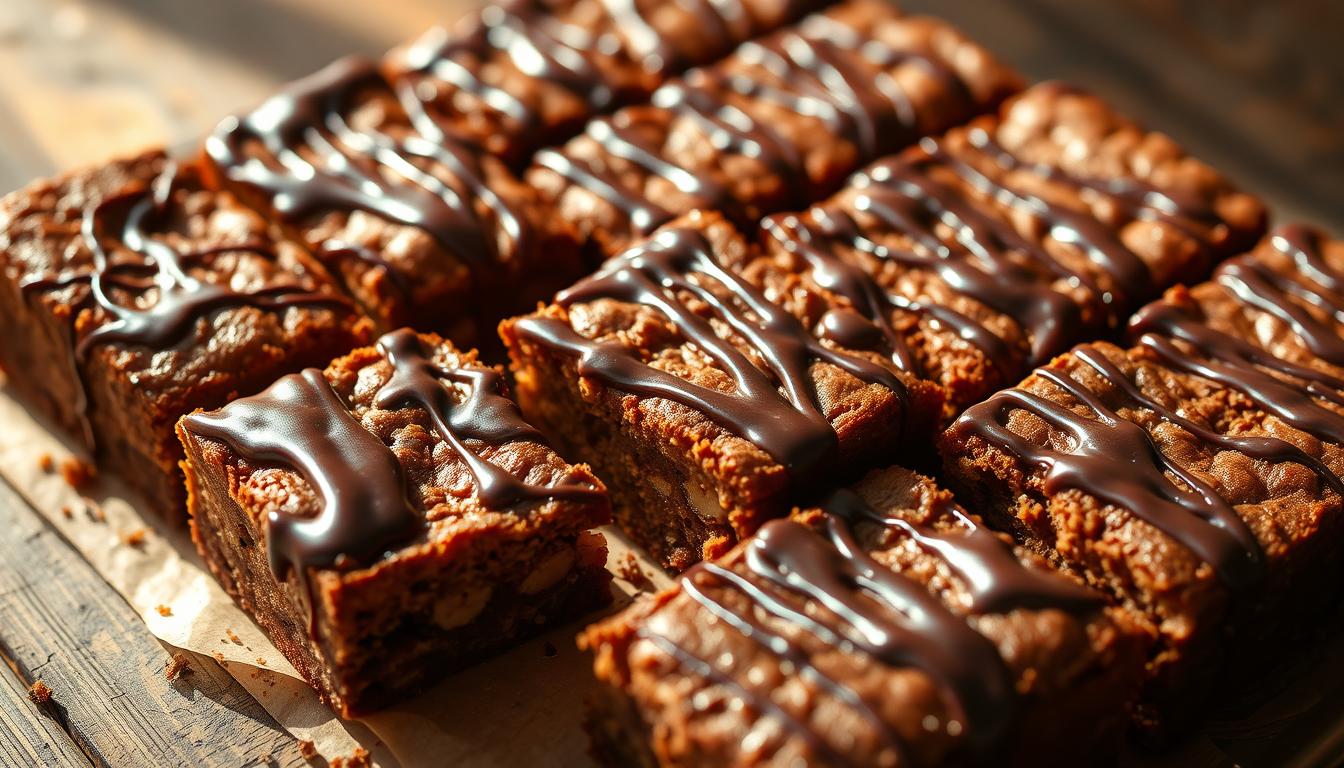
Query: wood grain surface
x=1254, y=87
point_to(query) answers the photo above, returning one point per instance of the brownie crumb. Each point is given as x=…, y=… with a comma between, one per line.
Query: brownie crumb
x=550, y=650
x=261, y=661
x=232, y=637
x=96, y=513
x=68, y=512
x=164, y=610
x=180, y=665
x=135, y=538
x=629, y=570
x=39, y=693
x=360, y=759
x=46, y=463
x=307, y=749
x=78, y=473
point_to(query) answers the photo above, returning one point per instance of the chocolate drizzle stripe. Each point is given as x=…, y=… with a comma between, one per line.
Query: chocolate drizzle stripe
x=788, y=426
x=485, y=415
x=1118, y=462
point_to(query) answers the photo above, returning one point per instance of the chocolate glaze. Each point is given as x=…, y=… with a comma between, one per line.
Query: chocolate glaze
x=485, y=415
x=824, y=69
x=181, y=301
x=313, y=161
x=1119, y=463
x=790, y=426
x=879, y=613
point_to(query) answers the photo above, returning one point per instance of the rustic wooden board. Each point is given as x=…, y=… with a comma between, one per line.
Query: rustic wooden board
x=30, y=735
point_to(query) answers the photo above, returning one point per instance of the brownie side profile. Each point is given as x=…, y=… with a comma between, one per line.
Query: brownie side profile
x=703, y=396
x=132, y=295
x=1193, y=504
x=884, y=627
x=423, y=231
x=776, y=125
x=521, y=75
x=999, y=245
x=392, y=519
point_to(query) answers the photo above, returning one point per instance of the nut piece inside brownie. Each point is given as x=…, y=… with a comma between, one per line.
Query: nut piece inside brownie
x=774, y=126
x=1211, y=510
x=132, y=295
x=999, y=245
x=392, y=518
x=883, y=627
x=705, y=394
x=525, y=74
x=424, y=231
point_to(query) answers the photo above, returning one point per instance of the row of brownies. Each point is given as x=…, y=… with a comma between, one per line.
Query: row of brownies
x=1170, y=504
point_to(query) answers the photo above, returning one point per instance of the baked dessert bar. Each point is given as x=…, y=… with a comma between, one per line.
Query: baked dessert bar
x=423, y=231
x=403, y=471
x=132, y=295
x=884, y=626
x=702, y=394
x=776, y=125
x=521, y=75
x=1194, y=478
x=999, y=245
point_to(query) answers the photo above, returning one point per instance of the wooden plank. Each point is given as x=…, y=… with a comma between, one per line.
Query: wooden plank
x=67, y=627
x=30, y=735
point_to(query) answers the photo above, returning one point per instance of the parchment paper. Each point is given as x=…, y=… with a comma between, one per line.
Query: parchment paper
x=521, y=708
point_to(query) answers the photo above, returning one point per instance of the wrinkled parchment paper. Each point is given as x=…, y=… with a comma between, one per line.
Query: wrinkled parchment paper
x=521, y=708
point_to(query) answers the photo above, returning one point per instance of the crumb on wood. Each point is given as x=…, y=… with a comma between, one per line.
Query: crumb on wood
x=39, y=693
x=46, y=463
x=232, y=637
x=360, y=759
x=78, y=473
x=164, y=610
x=135, y=538
x=550, y=650
x=628, y=569
x=180, y=665
x=307, y=749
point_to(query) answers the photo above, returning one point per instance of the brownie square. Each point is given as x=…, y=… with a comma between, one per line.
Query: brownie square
x=518, y=76
x=985, y=252
x=423, y=231
x=702, y=393
x=392, y=518
x=776, y=125
x=884, y=626
x=1193, y=503
x=132, y=295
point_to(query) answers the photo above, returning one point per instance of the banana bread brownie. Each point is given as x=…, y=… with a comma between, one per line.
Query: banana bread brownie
x=402, y=470
x=701, y=393
x=883, y=627
x=999, y=245
x=525, y=74
x=776, y=125
x=424, y=231
x=132, y=295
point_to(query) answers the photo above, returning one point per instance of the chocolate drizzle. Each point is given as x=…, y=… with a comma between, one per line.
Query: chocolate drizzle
x=823, y=582
x=163, y=272
x=485, y=415
x=1119, y=462
x=825, y=69
x=299, y=149
x=675, y=269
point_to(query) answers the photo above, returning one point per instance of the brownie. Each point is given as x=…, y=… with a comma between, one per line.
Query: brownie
x=983, y=253
x=885, y=626
x=392, y=518
x=521, y=75
x=1195, y=483
x=701, y=394
x=131, y=295
x=423, y=232
x=774, y=126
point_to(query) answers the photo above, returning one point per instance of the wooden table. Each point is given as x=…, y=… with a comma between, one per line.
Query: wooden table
x=1256, y=88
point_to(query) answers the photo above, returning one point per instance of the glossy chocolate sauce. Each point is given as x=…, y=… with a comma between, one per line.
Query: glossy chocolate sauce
x=874, y=611
x=661, y=274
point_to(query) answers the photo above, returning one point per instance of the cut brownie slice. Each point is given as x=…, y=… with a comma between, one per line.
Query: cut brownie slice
x=703, y=395
x=1211, y=510
x=424, y=232
x=884, y=627
x=775, y=126
x=999, y=245
x=131, y=295
x=525, y=74
x=392, y=519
